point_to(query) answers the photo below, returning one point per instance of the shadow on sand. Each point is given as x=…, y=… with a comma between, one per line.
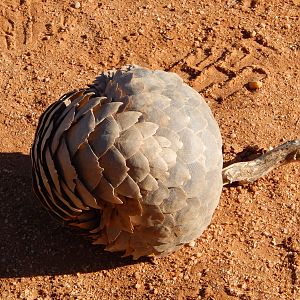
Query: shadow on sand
x=31, y=242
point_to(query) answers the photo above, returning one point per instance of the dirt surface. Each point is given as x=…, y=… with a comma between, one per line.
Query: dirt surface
x=252, y=248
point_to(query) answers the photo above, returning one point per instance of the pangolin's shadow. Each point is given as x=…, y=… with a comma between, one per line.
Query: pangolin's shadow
x=31, y=242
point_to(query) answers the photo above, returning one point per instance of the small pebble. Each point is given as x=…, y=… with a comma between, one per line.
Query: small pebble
x=137, y=286
x=197, y=44
x=77, y=5
x=192, y=244
x=239, y=189
x=254, y=85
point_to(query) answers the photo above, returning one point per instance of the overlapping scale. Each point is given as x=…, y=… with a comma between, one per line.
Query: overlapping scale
x=134, y=161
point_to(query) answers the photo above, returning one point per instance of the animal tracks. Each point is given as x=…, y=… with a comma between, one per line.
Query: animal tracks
x=7, y=33
x=15, y=25
x=219, y=72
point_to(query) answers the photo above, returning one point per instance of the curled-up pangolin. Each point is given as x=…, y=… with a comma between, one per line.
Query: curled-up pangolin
x=135, y=161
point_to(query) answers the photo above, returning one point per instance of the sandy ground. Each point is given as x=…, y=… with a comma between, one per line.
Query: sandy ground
x=252, y=248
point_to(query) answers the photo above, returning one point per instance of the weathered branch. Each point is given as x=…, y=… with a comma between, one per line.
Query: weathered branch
x=247, y=172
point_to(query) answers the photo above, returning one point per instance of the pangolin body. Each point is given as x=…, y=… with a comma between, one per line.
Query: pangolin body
x=134, y=161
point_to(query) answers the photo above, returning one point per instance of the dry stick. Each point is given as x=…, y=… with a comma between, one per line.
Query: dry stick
x=247, y=172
